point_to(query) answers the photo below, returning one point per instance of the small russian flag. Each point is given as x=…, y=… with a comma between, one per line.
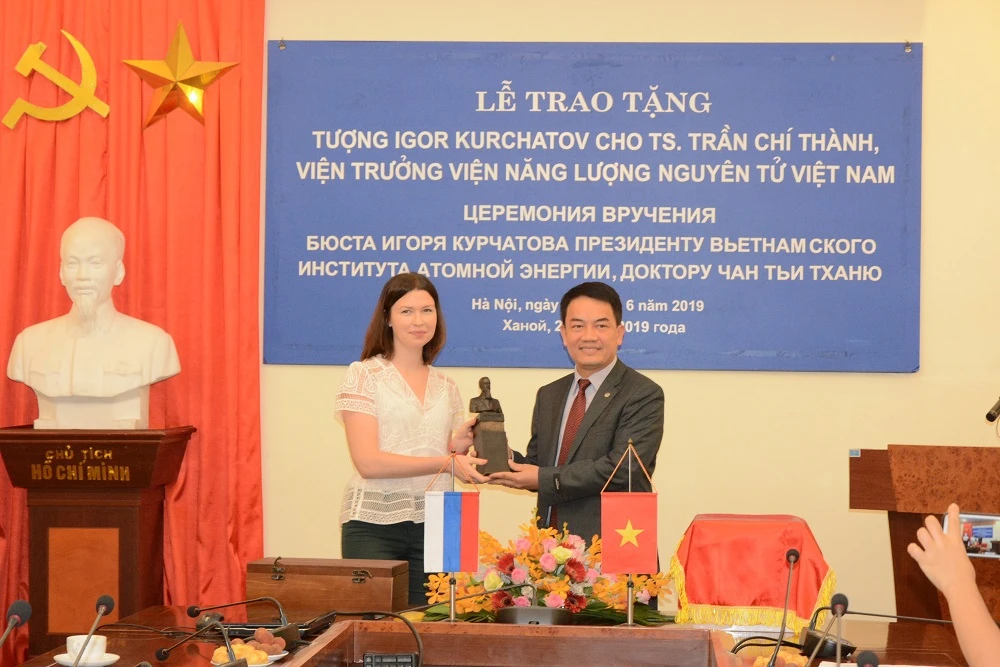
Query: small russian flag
x=451, y=531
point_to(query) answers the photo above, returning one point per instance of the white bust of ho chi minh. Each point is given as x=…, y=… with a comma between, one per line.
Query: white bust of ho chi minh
x=91, y=368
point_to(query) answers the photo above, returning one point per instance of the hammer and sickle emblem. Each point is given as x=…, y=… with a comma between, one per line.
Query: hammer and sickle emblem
x=82, y=93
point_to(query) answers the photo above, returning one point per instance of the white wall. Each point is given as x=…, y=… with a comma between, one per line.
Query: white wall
x=734, y=442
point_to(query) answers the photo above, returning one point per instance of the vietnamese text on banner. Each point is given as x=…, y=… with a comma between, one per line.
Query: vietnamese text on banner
x=757, y=206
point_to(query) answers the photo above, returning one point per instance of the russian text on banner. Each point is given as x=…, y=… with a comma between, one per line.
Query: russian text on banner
x=628, y=532
x=451, y=531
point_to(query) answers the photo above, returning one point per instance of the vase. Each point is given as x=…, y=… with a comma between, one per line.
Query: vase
x=534, y=616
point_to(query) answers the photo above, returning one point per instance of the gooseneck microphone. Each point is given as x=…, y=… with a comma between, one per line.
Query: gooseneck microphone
x=994, y=412
x=289, y=632
x=105, y=605
x=17, y=615
x=838, y=606
x=193, y=611
x=791, y=557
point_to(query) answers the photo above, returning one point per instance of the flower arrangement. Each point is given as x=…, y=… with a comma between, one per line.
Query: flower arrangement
x=557, y=569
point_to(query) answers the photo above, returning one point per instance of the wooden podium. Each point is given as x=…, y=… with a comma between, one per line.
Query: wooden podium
x=912, y=481
x=95, y=511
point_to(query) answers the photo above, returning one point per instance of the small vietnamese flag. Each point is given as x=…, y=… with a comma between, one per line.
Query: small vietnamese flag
x=451, y=531
x=628, y=533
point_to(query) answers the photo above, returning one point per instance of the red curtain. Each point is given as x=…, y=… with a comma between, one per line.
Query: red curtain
x=187, y=197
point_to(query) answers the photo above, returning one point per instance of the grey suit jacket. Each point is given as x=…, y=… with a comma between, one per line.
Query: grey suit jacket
x=628, y=405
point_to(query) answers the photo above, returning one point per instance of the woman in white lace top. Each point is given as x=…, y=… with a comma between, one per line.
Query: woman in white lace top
x=402, y=418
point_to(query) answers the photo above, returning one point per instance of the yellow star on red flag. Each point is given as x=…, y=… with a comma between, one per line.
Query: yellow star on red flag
x=628, y=555
x=629, y=534
x=179, y=80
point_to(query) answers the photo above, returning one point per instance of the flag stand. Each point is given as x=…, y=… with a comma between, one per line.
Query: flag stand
x=451, y=597
x=452, y=581
x=627, y=456
x=630, y=612
x=451, y=575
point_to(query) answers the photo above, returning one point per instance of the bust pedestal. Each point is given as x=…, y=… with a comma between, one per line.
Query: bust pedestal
x=95, y=512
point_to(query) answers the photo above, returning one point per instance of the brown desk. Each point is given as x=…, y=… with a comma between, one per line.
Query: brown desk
x=496, y=645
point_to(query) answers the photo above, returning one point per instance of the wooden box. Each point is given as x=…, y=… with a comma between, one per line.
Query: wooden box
x=308, y=587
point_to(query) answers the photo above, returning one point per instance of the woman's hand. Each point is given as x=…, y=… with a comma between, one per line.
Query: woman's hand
x=461, y=440
x=465, y=469
x=942, y=555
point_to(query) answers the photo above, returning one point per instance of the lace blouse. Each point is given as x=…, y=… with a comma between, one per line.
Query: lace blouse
x=374, y=387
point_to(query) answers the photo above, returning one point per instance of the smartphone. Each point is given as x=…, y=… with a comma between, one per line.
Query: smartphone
x=980, y=534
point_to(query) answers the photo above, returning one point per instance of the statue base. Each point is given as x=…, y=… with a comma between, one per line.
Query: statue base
x=490, y=441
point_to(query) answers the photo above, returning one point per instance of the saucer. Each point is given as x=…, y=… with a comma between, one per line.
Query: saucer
x=65, y=660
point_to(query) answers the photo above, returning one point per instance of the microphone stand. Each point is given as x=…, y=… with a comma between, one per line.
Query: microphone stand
x=105, y=604
x=840, y=636
x=452, y=582
x=791, y=556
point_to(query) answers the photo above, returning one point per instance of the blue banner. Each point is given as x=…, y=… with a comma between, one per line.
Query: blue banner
x=757, y=206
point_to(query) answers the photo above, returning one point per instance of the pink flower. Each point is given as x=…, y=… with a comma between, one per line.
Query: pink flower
x=521, y=601
x=548, y=562
x=519, y=575
x=549, y=544
x=592, y=576
x=576, y=543
x=642, y=596
x=522, y=545
x=554, y=600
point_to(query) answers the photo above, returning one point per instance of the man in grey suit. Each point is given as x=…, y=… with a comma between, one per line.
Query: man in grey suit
x=582, y=423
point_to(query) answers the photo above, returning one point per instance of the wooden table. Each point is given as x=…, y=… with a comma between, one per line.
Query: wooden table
x=497, y=645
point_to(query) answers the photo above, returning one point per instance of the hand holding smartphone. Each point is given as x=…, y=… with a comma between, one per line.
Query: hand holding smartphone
x=980, y=534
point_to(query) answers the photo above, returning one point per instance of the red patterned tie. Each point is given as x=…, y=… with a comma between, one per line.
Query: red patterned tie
x=573, y=422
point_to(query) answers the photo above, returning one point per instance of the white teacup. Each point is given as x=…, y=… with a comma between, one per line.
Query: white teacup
x=96, y=648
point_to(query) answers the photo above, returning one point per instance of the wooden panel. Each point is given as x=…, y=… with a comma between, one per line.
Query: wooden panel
x=871, y=481
x=136, y=516
x=500, y=645
x=915, y=594
x=86, y=459
x=83, y=566
x=927, y=479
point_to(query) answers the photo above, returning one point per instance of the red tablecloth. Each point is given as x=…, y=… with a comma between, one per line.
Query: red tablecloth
x=730, y=569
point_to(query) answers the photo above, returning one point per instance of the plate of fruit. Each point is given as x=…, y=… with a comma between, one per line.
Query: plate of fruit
x=261, y=649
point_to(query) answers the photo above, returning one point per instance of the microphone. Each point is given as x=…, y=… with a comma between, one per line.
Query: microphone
x=289, y=632
x=838, y=613
x=17, y=615
x=105, y=605
x=994, y=412
x=866, y=659
x=164, y=653
x=811, y=641
x=791, y=557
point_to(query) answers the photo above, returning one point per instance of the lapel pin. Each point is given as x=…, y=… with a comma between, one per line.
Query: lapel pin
x=607, y=394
